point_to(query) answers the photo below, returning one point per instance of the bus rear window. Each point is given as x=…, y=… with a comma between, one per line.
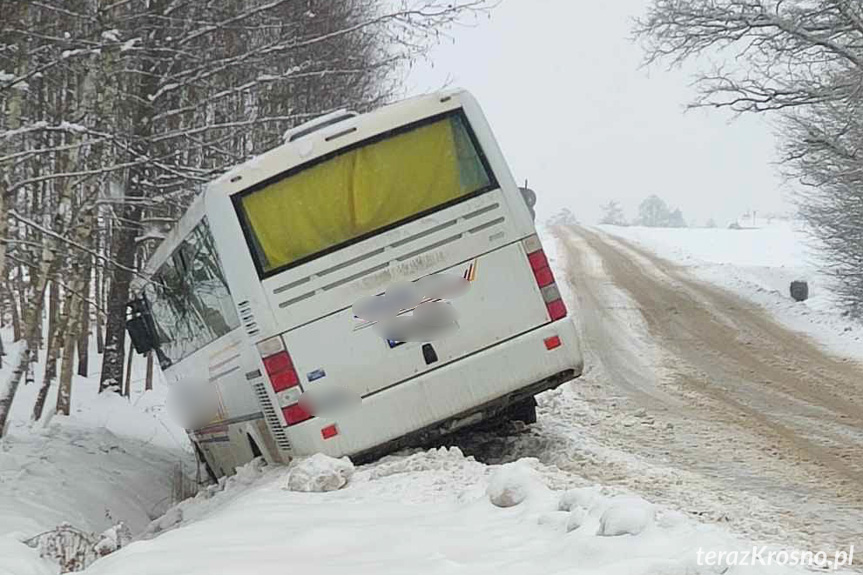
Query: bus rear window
x=362, y=191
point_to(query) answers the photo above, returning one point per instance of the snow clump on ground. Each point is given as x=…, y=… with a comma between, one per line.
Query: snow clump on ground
x=319, y=473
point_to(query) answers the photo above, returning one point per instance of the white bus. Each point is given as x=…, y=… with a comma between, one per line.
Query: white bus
x=251, y=295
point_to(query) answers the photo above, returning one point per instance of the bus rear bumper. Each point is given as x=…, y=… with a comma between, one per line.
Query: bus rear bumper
x=465, y=419
x=441, y=401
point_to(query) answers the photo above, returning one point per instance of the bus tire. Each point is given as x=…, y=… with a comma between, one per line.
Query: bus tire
x=202, y=459
x=253, y=445
x=524, y=411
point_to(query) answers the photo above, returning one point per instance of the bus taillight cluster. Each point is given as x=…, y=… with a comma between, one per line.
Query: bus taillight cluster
x=284, y=379
x=544, y=278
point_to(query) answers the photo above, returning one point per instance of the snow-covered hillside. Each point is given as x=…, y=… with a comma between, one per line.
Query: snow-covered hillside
x=113, y=460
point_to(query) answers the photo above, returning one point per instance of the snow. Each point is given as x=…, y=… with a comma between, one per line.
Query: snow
x=128, y=44
x=759, y=265
x=513, y=483
x=625, y=516
x=18, y=559
x=112, y=35
x=420, y=511
x=446, y=524
x=319, y=473
x=112, y=460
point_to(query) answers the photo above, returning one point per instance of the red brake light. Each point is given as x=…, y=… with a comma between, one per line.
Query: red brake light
x=295, y=414
x=277, y=363
x=544, y=277
x=552, y=342
x=537, y=260
x=556, y=309
x=329, y=431
x=284, y=380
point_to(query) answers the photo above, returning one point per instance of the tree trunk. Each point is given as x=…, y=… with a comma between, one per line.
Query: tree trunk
x=16, y=318
x=80, y=282
x=83, y=342
x=118, y=297
x=127, y=387
x=148, y=382
x=64, y=390
x=100, y=301
x=56, y=327
x=33, y=326
x=57, y=335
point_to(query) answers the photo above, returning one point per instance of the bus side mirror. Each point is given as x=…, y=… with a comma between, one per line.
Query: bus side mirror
x=139, y=324
x=529, y=199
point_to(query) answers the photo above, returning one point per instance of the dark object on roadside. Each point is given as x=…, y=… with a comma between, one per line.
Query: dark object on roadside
x=800, y=290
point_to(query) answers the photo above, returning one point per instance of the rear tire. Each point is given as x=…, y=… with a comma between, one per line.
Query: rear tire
x=524, y=411
x=202, y=459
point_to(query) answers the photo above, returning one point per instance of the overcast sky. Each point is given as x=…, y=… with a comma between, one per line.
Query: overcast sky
x=562, y=86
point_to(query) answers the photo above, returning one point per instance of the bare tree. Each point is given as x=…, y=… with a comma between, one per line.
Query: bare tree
x=113, y=115
x=802, y=59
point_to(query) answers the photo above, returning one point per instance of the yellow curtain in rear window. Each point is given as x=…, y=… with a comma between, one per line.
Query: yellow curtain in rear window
x=355, y=193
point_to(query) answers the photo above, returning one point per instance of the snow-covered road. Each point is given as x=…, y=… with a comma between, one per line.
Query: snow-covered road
x=705, y=385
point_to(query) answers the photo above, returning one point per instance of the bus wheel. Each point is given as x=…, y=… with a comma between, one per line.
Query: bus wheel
x=256, y=451
x=201, y=459
x=524, y=411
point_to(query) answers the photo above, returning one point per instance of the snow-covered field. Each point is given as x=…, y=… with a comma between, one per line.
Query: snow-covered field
x=759, y=265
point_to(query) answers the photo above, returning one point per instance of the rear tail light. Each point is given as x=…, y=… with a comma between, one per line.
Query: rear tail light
x=544, y=278
x=284, y=379
x=329, y=431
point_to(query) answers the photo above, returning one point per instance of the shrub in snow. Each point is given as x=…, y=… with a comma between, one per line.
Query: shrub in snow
x=75, y=550
x=513, y=483
x=70, y=548
x=112, y=539
x=626, y=516
x=320, y=473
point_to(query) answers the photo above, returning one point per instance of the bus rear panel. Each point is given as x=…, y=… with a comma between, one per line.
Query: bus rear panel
x=421, y=198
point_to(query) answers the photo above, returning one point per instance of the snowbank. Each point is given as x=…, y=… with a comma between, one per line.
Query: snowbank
x=451, y=528
x=112, y=460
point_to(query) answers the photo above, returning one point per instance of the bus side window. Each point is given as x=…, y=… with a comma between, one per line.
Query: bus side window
x=190, y=300
x=208, y=288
